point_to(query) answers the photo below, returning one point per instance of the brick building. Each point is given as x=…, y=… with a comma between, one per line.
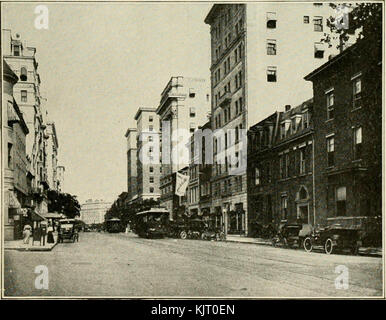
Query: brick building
x=280, y=166
x=348, y=139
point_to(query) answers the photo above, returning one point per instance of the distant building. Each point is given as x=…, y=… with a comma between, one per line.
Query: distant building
x=22, y=60
x=131, y=136
x=259, y=51
x=348, y=136
x=280, y=169
x=60, y=177
x=93, y=211
x=148, y=167
x=16, y=180
x=200, y=170
x=184, y=104
x=52, y=157
x=176, y=205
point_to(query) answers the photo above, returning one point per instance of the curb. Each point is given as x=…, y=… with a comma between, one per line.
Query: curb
x=35, y=249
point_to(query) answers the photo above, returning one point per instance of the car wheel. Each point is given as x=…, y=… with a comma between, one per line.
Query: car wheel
x=183, y=235
x=307, y=244
x=329, y=246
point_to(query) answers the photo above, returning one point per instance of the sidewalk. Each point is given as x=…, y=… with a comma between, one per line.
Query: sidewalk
x=374, y=252
x=20, y=246
x=237, y=238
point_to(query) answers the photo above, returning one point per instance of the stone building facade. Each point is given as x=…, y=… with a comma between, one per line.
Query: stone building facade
x=248, y=78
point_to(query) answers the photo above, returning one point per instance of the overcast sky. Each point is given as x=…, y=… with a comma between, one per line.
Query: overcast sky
x=98, y=63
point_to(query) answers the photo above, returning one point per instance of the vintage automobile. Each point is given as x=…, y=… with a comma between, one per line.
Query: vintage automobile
x=187, y=228
x=213, y=234
x=290, y=235
x=332, y=239
x=68, y=230
x=151, y=223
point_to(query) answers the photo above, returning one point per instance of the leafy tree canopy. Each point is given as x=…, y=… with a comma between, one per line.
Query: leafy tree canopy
x=63, y=203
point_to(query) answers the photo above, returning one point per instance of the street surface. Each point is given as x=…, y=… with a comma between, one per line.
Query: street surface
x=123, y=265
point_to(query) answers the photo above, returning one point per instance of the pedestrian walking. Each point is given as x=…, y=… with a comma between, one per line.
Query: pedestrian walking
x=26, y=233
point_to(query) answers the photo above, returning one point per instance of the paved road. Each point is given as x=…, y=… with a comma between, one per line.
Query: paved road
x=124, y=265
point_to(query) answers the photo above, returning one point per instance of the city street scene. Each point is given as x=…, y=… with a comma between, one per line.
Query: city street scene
x=192, y=150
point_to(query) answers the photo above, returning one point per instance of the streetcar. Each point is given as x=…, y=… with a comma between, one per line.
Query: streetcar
x=152, y=223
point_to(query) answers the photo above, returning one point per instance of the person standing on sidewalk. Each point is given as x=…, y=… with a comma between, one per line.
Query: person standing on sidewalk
x=50, y=234
x=26, y=233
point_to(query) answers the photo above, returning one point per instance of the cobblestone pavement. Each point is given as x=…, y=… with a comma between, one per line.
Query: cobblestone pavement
x=102, y=264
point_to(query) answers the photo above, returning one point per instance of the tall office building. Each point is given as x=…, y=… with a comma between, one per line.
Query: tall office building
x=259, y=56
x=148, y=172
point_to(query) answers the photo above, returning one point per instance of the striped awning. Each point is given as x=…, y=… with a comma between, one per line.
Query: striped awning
x=13, y=203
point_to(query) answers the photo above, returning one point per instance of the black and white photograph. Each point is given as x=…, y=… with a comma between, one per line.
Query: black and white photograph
x=192, y=150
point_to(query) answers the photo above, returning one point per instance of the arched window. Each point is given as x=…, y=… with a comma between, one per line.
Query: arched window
x=23, y=74
x=303, y=194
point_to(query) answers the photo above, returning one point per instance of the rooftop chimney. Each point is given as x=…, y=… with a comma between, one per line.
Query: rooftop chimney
x=287, y=107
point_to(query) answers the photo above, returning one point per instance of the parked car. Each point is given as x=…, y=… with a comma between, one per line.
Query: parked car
x=333, y=239
x=213, y=234
x=187, y=228
x=291, y=235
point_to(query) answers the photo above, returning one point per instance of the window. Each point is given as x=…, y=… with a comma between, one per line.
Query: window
x=10, y=162
x=150, y=128
x=318, y=24
x=271, y=47
x=257, y=176
x=151, y=179
x=23, y=74
x=302, y=159
x=293, y=125
x=150, y=118
x=271, y=74
x=341, y=201
x=287, y=165
x=23, y=95
x=305, y=120
x=306, y=19
x=240, y=104
x=192, y=93
x=238, y=80
x=330, y=105
x=330, y=151
x=151, y=189
x=318, y=50
x=284, y=208
x=239, y=26
x=271, y=20
x=16, y=51
x=150, y=138
x=151, y=169
x=357, y=143
x=282, y=131
x=357, y=90
x=192, y=112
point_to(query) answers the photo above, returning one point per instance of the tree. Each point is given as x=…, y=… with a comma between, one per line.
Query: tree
x=63, y=203
x=363, y=18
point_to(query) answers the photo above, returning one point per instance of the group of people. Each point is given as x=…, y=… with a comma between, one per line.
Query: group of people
x=41, y=233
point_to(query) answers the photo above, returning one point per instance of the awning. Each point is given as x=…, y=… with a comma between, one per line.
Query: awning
x=52, y=215
x=13, y=203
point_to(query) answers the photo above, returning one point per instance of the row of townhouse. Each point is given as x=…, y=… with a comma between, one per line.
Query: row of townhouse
x=321, y=162
x=30, y=140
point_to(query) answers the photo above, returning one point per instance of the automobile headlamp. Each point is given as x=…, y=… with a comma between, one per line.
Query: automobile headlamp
x=335, y=236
